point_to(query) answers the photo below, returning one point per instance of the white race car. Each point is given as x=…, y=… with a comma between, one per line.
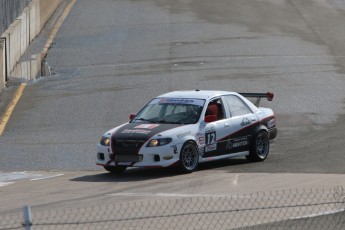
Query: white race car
x=185, y=128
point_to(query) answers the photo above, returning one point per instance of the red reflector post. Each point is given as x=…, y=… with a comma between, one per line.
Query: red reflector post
x=269, y=96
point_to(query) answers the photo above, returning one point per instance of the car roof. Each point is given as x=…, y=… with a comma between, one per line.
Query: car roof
x=195, y=94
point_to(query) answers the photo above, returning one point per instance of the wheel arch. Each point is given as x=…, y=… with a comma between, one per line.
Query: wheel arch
x=254, y=156
x=193, y=140
x=186, y=139
x=259, y=129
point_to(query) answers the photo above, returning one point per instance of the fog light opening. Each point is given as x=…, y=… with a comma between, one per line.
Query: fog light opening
x=157, y=158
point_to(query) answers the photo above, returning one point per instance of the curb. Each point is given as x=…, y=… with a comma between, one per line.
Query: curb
x=11, y=106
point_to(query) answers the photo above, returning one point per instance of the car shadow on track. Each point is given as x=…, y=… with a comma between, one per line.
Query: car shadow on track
x=142, y=174
x=223, y=164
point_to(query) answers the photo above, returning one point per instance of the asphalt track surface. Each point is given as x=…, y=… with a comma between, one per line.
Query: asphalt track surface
x=109, y=58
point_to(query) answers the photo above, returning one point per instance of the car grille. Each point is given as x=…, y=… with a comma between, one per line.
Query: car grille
x=126, y=147
x=129, y=143
x=128, y=158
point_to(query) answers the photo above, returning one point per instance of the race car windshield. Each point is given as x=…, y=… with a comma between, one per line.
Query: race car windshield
x=171, y=111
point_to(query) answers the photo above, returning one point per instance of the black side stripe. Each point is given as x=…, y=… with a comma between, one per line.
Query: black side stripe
x=245, y=128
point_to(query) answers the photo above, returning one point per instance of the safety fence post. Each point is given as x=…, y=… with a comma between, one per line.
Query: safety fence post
x=27, y=216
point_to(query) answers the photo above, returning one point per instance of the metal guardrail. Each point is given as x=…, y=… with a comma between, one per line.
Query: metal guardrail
x=9, y=11
x=306, y=209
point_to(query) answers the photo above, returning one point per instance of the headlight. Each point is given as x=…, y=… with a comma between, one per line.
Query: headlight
x=105, y=141
x=159, y=142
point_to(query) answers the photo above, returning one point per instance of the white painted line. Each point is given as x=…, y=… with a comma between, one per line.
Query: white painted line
x=3, y=184
x=236, y=179
x=23, y=172
x=174, y=195
x=48, y=177
x=319, y=214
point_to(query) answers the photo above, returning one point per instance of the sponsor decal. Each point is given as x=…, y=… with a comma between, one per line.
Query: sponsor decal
x=229, y=144
x=210, y=141
x=202, y=127
x=210, y=128
x=146, y=126
x=201, y=140
x=174, y=148
x=190, y=101
x=210, y=137
x=245, y=121
x=137, y=131
x=201, y=151
x=176, y=101
x=236, y=143
x=113, y=163
x=124, y=163
x=211, y=147
x=183, y=134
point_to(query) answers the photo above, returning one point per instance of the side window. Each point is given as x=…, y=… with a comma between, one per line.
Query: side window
x=236, y=105
x=215, y=107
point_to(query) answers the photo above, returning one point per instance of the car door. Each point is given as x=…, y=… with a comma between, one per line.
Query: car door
x=242, y=124
x=217, y=130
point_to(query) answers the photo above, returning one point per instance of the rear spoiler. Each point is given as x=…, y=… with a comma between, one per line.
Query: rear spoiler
x=267, y=95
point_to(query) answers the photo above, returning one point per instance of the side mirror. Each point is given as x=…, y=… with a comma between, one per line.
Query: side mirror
x=210, y=118
x=132, y=116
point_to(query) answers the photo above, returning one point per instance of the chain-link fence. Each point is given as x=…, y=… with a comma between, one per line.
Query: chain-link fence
x=9, y=11
x=312, y=209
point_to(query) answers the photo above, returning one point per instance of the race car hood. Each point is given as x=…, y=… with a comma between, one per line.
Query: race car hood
x=129, y=138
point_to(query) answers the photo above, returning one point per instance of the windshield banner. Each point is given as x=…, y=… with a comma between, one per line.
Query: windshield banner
x=181, y=101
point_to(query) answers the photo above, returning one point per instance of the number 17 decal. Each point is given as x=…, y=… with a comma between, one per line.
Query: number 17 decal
x=210, y=139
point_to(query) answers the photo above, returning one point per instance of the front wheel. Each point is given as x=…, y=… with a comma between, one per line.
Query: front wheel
x=189, y=157
x=115, y=169
x=259, y=148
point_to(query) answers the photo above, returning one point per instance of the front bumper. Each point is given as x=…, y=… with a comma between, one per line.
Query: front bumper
x=163, y=156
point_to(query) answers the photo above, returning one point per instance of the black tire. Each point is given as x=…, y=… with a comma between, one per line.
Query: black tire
x=115, y=169
x=259, y=148
x=189, y=157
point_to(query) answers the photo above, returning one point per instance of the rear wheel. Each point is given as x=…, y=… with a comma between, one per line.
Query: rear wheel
x=115, y=169
x=259, y=148
x=189, y=157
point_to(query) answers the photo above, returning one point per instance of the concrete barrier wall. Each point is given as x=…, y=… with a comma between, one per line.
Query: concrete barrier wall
x=14, y=43
x=2, y=64
x=21, y=32
x=34, y=18
x=46, y=9
x=25, y=31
